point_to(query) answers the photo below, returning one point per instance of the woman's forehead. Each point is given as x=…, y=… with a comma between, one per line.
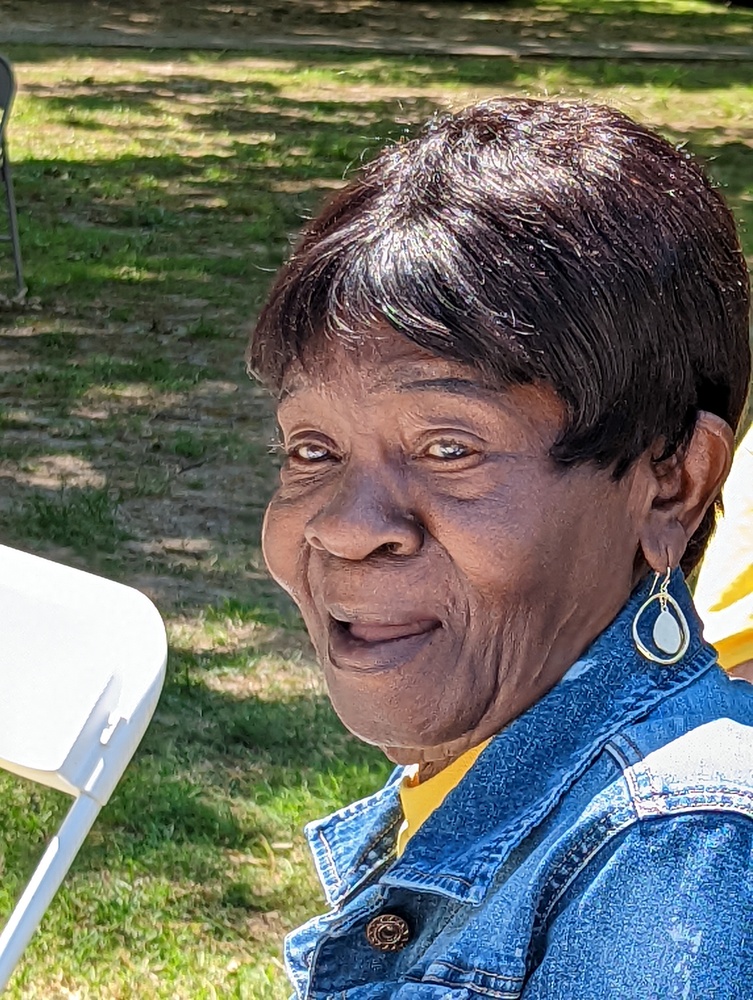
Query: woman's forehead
x=347, y=380
x=380, y=351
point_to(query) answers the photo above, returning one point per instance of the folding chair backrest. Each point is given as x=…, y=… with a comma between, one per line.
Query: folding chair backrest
x=82, y=662
x=7, y=91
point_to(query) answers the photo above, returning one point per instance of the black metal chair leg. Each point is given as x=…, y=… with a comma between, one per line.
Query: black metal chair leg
x=13, y=222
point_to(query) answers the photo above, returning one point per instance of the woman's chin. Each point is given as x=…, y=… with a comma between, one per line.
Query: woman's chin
x=440, y=755
x=406, y=731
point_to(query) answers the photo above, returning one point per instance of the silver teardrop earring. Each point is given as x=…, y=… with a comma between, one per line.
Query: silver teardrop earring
x=671, y=633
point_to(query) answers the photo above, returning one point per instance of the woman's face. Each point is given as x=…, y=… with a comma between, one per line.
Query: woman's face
x=447, y=570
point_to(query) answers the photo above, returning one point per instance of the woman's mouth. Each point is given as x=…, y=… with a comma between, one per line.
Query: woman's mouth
x=378, y=645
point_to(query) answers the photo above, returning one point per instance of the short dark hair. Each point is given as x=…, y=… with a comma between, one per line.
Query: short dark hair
x=538, y=241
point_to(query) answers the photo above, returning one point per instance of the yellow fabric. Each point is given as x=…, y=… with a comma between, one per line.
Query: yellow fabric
x=420, y=799
x=724, y=595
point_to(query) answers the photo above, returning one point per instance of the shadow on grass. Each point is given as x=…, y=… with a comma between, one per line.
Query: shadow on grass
x=133, y=231
x=560, y=20
x=141, y=228
x=230, y=105
x=279, y=753
x=265, y=768
x=210, y=557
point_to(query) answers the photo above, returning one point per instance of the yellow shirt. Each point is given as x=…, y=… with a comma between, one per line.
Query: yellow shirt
x=420, y=799
x=724, y=594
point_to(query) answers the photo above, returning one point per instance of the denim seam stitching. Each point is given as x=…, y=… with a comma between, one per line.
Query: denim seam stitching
x=701, y=790
x=332, y=873
x=613, y=831
x=614, y=751
x=631, y=780
x=474, y=987
x=482, y=972
x=610, y=830
x=639, y=755
x=652, y=802
x=424, y=878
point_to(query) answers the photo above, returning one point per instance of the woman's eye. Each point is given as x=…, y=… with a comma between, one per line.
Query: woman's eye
x=309, y=453
x=448, y=450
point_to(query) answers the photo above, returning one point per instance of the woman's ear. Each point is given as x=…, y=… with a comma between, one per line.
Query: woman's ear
x=681, y=488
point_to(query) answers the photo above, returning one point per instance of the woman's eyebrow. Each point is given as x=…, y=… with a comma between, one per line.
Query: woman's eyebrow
x=455, y=385
x=458, y=386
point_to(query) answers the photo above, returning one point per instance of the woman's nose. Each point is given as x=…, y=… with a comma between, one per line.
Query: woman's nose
x=361, y=519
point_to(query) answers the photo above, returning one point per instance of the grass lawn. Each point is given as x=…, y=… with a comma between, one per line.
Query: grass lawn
x=157, y=193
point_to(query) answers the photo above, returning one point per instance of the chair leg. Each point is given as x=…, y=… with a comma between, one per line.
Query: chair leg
x=12, y=221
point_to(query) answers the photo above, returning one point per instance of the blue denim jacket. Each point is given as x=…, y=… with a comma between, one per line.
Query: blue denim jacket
x=600, y=847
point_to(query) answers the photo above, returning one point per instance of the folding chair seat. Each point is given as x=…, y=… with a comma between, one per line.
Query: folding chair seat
x=82, y=662
x=7, y=92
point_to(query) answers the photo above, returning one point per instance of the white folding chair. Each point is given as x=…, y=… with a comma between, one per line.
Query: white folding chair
x=82, y=662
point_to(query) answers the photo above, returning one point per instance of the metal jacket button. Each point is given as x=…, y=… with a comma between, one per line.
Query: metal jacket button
x=388, y=932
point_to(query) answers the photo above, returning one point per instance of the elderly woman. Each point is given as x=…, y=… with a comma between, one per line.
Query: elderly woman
x=510, y=357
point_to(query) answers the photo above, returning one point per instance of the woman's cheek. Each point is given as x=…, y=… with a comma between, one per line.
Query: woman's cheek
x=282, y=544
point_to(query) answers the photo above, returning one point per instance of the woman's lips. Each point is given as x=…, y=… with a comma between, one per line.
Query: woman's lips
x=372, y=632
x=375, y=645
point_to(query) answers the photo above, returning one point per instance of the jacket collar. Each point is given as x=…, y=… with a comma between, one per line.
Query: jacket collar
x=518, y=779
